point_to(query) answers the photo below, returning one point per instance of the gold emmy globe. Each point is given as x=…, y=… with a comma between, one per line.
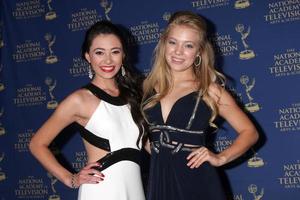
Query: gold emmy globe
x=247, y=53
x=52, y=104
x=51, y=14
x=240, y=4
x=54, y=197
x=251, y=106
x=51, y=40
x=255, y=162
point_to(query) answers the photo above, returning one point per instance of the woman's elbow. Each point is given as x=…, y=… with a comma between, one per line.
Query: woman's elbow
x=34, y=146
x=254, y=136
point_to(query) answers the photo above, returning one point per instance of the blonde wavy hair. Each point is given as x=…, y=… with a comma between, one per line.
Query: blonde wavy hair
x=159, y=81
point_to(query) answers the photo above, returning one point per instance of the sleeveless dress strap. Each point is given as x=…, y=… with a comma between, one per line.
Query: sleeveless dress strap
x=101, y=94
x=194, y=111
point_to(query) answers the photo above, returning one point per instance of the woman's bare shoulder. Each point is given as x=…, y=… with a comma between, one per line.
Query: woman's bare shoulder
x=215, y=90
x=77, y=99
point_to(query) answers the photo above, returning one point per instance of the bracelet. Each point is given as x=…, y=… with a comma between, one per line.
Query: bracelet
x=73, y=181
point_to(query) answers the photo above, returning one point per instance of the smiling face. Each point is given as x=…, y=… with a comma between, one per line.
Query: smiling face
x=105, y=55
x=181, y=48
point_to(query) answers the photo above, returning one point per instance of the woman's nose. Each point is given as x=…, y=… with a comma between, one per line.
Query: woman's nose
x=108, y=59
x=178, y=49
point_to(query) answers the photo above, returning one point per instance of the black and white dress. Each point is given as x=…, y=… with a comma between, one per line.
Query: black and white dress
x=112, y=128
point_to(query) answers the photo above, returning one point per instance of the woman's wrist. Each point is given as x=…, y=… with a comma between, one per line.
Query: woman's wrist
x=222, y=160
x=74, y=181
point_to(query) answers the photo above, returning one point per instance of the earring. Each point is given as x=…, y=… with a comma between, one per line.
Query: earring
x=197, y=61
x=123, y=71
x=90, y=72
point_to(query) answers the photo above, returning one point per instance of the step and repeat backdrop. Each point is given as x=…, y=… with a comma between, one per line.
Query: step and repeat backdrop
x=257, y=43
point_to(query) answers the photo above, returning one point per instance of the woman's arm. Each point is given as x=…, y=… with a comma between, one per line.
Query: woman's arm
x=247, y=133
x=65, y=114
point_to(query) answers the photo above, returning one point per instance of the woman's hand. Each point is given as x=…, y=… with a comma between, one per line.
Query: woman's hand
x=201, y=155
x=87, y=175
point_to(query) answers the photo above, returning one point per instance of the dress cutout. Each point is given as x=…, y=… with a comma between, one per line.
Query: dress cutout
x=170, y=178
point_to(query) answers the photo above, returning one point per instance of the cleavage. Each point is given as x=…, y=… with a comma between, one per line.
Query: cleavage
x=165, y=118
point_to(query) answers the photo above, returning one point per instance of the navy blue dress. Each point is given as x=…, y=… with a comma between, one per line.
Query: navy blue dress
x=170, y=177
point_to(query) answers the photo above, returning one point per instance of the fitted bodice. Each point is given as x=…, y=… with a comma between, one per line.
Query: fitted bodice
x=185, y=125
x=111, y=126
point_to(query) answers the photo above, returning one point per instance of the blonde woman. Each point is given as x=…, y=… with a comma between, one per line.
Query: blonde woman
x=183, y=95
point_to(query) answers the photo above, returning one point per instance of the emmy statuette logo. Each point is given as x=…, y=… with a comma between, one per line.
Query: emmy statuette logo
x=167, y=16
x=2, y=129
x=107, y=7
x=53, y=180
x=241, y=4
x=51, y=40
x=246, y=53
x=52, y=104
x=50, y=15
x=2, y=174
x=253, y=190
x=251, y=106
x=255, y=161
x=2, y=87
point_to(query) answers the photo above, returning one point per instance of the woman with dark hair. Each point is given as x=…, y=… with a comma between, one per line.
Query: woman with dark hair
x=107, y=112
x=183, y=95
